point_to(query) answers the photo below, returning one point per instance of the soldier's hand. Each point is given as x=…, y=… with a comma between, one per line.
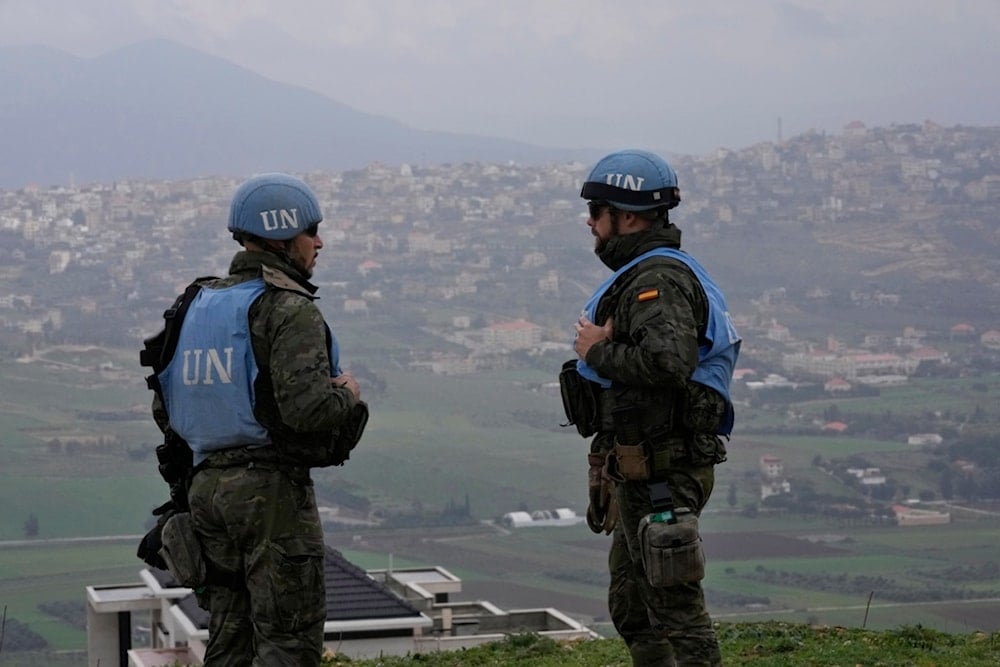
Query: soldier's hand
x=588, y=333
x=346, y=379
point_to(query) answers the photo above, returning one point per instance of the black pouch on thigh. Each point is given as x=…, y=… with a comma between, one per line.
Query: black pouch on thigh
x=671, y=548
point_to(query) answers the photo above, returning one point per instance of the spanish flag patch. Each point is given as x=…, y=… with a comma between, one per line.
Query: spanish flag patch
x=648, y=295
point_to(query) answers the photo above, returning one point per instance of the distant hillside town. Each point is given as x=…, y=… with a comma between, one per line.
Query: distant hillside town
x=470, y=266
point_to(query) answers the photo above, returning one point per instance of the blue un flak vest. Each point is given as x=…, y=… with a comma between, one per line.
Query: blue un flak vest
x=716, y=359
x=208, y=386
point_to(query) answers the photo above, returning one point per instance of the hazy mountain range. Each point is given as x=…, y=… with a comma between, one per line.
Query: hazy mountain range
x=160, y=110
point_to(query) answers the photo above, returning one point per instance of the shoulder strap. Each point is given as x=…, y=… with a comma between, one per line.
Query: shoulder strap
x=174, y=457
x=668, y=260
x=158, y=350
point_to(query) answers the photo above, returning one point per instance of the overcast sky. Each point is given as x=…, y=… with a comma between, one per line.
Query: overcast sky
x=680, y=76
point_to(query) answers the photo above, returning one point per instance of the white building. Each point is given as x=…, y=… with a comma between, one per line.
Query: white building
x=557, y=517
x=515, y=335
x=868, y=476
x=925, y=439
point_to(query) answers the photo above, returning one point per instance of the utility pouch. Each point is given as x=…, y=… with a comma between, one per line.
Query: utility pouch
x=181, y=551
x=632, y=462
x=671, y=548
x=350, y=434
x=579, y=400
x=320, y=449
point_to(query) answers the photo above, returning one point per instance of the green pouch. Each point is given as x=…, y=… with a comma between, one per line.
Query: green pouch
x=671, y=548
x=181, y=551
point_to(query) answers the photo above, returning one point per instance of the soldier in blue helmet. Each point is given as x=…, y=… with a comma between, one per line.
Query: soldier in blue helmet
x=250, y=383
x=655, y=350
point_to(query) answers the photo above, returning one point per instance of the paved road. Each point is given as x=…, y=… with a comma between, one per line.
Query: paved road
x=56, y=541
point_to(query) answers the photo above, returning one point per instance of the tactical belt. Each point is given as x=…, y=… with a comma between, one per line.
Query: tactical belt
x=247, y=457
x=666, y=456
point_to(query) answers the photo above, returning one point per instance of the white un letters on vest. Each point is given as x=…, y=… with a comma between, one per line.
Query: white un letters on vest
x=280, y=218
x=624, y=181
x=193, y=366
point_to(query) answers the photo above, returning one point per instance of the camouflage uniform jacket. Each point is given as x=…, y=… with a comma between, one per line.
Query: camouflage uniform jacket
x=295, y=400
x=654, y=349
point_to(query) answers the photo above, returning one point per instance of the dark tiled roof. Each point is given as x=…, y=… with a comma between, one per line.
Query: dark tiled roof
x=351, y=595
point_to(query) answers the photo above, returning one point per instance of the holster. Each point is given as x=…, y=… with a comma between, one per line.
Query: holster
x=580, y=400
x=181, y=551
x=152, y=541
x=176, y=463
x=602, y=510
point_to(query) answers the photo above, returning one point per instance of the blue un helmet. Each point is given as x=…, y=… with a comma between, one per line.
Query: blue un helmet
x=633, y=180
x=273, y=206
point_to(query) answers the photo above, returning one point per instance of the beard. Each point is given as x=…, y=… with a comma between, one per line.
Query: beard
x=305, y=267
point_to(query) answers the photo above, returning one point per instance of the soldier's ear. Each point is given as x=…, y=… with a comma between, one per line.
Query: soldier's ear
x=632, y=222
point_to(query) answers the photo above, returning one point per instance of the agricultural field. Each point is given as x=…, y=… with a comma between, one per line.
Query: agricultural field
x=819, y=573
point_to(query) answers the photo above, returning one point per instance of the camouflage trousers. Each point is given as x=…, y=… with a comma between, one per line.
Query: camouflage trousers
x=662, y=627
x=261, y=522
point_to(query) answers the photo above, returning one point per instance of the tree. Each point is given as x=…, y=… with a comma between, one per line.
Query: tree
x=968, y=488
x=731, y=498
x=31, y=526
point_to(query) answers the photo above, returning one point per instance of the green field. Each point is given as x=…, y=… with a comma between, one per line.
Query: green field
x=935, y=394
x=494, y=439
x=31, y=575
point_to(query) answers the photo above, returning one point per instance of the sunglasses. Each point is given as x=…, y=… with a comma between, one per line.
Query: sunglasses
x=311, y=230
x=596, y=208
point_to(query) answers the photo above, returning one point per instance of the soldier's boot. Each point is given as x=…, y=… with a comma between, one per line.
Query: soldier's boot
x=651, y=654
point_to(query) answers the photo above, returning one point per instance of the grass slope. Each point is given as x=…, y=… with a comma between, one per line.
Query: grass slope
x=771, y=644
